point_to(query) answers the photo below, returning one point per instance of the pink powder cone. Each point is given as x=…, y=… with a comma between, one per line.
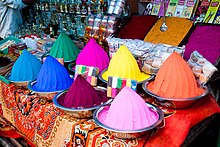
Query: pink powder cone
x=129, y=111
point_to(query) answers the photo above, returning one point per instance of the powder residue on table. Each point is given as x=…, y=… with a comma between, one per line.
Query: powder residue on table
x=175, y=79
x=177, y=30
x=206, y=40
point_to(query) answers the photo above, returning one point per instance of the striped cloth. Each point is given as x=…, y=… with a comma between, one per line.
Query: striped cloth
x=115, y=84
x=88, y=72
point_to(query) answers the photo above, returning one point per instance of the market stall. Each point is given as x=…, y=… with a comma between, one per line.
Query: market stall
x=95, y=81
x=46, y=125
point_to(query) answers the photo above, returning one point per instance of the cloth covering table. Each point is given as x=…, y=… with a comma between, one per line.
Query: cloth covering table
x=23, y=114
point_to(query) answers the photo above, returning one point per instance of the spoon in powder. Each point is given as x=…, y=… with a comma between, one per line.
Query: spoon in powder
x=164, y=27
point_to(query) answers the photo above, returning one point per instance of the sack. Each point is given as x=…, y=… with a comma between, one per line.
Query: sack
x=28, y=2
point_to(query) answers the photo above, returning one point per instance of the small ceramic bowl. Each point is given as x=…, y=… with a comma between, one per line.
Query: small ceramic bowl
x=131, y=134
x=78, y=112
x=175, y=103
x=46, y=95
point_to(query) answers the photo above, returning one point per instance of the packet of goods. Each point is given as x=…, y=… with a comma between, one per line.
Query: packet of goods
x=16, y=49
x=88, y=72
x=6, y=44
x=44, y=45
x=116, y=84
x=155, y=58
x=138, y=48
x=201, y=67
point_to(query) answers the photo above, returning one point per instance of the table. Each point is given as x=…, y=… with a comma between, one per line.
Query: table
x=42, y=124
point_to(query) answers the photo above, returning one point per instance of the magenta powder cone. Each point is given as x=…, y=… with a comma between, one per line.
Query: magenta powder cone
x=204, y=39
x=93, y=55
x=81, y=95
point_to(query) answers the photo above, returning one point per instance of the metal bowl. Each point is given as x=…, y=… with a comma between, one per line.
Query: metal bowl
x=48, y=53
x=46, y=95
x=175, y=103
x=103, y=80
x=71, y=65
x=78, y=112
x=131, y=134
x=18, y=84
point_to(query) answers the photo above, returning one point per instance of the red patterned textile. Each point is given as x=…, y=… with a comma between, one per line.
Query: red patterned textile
x=42, y=124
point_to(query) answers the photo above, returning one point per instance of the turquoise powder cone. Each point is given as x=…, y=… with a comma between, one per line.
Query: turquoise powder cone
x=26, y=67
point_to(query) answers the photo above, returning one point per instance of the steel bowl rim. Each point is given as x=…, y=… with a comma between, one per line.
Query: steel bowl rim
x=157, y=123
x=30, y=87
x=144, y=86
x=70, y=65
x=104, y=70
x=75, y=109
x=12, y=81
x=48, y=54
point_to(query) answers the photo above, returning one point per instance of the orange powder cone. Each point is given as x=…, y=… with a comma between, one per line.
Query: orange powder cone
x=175, y=79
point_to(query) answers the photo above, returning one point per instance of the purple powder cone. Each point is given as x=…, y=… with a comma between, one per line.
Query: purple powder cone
x=81, y=95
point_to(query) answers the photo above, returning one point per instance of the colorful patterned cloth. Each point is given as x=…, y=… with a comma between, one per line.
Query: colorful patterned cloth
x=115, y=84
x=88, y=72
x=42, y=124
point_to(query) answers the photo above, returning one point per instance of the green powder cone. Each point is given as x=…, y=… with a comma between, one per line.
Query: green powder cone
x=65, y=48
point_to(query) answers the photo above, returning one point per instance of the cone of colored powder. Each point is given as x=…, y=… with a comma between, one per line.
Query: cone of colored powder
x=52, y=77
x=64, y=48
x=26, y=67
x=81, y=95
x=93, y=55
x=124, y=65
x=175, y=79
x=129, y=111
x=177, y=30
x=204, y=39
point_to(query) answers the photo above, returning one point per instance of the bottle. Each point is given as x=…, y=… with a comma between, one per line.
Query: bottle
x=67, y=5
x=72, y=7
x=62, y=6
x=46, y=5
x=89, y=5
x=84, y=8
x=105, y=6
x=33, y=43
x=78, y=6
x=57, y=4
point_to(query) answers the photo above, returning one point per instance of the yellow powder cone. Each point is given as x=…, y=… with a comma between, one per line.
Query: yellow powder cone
x=124, y=65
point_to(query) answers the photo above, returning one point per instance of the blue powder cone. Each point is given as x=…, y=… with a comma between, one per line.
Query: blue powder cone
x=52, y=77
x=26, y=67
